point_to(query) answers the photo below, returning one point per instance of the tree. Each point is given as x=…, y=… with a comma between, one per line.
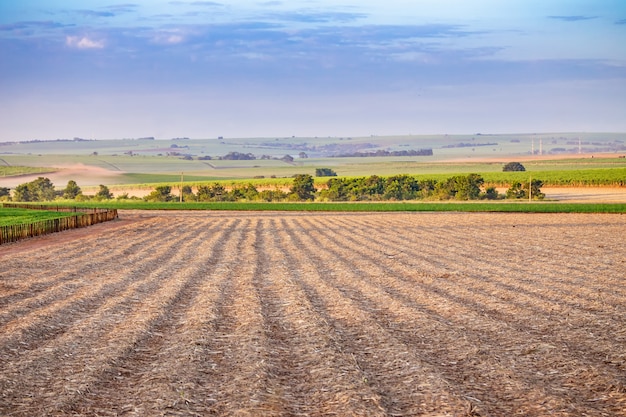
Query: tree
x=516, y=191
x=5, y=193
x=22, y=193
x=460, y=187
x=536, y=190
x=162, y=193
x=520, y=191
x=247, y=192
x=187, y=193
x=272, y=195
x=40, y=189
x=236, y=156
x=72, y=190
x=513, y=166
x=325, y=172
x=215, y=192
x=104, y=193
x=373, y=187
x=401, y=187
x=335, y=190
x=303, y=187
x=491, y=193
x=469, y=188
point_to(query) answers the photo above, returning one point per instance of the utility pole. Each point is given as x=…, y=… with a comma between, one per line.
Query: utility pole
x=181, y=188
x=530, y=189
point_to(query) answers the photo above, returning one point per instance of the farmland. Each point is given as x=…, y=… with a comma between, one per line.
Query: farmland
x=125, y=165
x=267, y=314
x=13, y=216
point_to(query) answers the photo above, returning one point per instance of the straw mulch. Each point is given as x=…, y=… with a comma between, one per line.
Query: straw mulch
x=299, y=314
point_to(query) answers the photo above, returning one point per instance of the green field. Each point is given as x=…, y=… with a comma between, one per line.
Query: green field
x=13, y=216
x=9, y=171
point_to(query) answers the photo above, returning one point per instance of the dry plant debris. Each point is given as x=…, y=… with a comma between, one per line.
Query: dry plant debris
x=300, y=314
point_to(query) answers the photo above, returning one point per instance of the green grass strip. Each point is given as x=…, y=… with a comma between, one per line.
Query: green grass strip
x=13, y=216
x=515, y=207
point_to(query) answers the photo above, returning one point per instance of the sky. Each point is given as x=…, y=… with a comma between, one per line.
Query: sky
x=106, y=69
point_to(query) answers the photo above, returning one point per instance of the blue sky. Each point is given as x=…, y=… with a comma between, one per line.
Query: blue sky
x=202, y=69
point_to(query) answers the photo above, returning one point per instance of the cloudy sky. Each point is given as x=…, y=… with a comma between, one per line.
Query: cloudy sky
x=201, y=69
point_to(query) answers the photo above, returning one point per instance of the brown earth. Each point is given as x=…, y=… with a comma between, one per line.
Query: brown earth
x=284, y=314
x=81, y=173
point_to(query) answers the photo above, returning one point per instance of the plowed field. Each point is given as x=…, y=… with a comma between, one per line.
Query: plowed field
x=294, y=314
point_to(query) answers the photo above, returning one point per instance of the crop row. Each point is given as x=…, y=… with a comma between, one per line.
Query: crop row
x=315, y=314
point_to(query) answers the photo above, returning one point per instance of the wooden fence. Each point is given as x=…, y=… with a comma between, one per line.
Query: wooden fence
x=83, y=218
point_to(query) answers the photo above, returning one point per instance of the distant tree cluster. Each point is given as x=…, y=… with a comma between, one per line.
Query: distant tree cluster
x=513, y=167
x=406, y=187
x=302, y=189
x=325, y=172
x=238, y=156
x=526, y=190
x=42, y=189
x=470, y=144
x=381, y=152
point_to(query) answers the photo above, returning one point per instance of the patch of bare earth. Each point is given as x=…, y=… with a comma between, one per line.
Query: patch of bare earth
x=281, y=314
x=81, y=173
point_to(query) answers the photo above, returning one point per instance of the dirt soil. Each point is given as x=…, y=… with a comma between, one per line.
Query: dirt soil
x=84, y=175
x=284, y=314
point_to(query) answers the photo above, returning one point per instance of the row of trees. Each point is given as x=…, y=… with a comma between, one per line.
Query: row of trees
x=406, y=187
x=42, y=189
x=373, y=188
x=302, y=189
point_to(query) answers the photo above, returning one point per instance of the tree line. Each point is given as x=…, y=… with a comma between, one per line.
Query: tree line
x=372, y=188
x=42, y=189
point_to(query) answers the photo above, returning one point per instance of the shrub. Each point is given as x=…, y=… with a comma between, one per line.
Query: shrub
x=513, y=167
x=72, y=190
x=520, y=191
x=104, y=193
x=161, y=193
x=325, y=172
x=303, y=187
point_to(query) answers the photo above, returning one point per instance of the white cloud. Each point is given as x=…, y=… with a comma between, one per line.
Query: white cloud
x=83, y=43
x=172, y=37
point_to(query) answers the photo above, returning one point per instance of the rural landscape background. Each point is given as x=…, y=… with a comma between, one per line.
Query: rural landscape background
x=569, y=164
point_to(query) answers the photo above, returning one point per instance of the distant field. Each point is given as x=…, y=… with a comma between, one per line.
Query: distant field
x=444, y=146
x=613, y=177
x=147, y=163
x=11, y=171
